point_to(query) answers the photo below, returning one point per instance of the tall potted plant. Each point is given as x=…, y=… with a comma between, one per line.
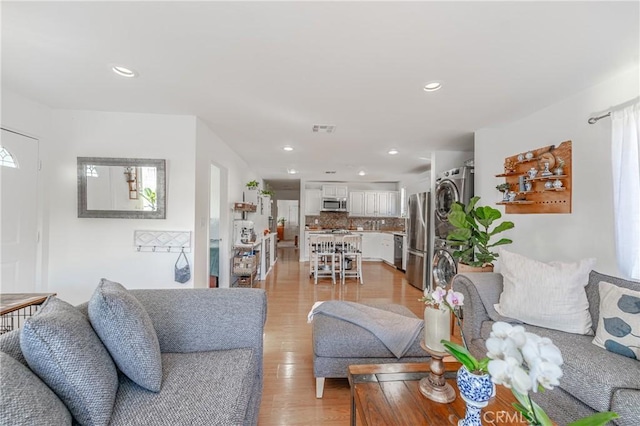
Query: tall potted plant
x=473, y=234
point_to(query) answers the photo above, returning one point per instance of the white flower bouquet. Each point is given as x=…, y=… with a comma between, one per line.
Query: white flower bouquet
x=523, y=362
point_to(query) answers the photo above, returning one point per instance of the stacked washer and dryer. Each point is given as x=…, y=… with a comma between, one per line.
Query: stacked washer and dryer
x=455, y=185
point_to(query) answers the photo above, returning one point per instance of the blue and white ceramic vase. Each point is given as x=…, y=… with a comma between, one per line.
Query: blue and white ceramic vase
x=476, y=390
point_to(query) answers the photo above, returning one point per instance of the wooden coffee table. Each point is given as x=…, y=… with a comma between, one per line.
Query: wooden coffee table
x=389, y=394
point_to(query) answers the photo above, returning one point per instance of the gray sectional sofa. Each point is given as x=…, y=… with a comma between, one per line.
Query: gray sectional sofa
x=594, y=379
x=211, y=353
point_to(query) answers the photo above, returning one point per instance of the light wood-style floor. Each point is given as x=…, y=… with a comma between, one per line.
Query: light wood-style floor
x=289, y=385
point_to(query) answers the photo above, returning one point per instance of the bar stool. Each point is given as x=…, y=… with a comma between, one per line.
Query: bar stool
x=351, y=250
x=325, y=257
x=311, y=249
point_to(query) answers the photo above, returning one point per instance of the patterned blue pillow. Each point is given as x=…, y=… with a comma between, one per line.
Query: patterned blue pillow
x=619, y=322
x=127, y=331
x=63, y=350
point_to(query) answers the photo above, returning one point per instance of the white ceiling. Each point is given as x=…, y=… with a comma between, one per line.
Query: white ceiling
x=262, y=73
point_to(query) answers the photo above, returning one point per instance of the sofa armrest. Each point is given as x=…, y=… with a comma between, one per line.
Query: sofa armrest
x=481, y=290
x=195, y=320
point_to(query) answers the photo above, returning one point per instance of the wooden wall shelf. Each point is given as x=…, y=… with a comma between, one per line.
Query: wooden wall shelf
x=539, y=199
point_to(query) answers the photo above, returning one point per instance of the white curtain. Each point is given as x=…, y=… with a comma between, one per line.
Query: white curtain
x=625, y=156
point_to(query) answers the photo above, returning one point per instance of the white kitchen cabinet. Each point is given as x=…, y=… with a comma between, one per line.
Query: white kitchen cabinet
x=356, y=203
x=371, y=204
x=312, y=202
x=386, y=248
x=334, y=191
x=371, y=245
x=380, y=204
x=393, y=206
x=383, y=204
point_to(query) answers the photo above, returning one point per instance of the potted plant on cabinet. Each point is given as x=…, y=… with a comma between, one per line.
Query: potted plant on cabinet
x=268, y=192
x=252, y=184
x=471, y=232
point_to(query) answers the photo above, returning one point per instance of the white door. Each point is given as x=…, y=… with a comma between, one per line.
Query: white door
x=291, y=225
x=19, y=215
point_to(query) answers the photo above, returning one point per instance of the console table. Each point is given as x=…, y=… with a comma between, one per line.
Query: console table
x=16, y=307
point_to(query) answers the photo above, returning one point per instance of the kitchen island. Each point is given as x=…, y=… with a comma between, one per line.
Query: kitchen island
x=376, y=245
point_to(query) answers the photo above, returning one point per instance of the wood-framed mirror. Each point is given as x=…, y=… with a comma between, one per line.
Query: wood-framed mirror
x=121, y=188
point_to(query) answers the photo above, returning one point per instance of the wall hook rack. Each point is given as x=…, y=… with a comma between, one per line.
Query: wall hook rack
x=162, y=241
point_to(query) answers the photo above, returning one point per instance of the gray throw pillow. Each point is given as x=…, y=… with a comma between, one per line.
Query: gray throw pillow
x=26, y=400
x=63, y=350
x=127, y=331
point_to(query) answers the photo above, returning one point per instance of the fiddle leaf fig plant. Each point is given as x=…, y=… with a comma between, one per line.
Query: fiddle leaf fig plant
x=472, y=232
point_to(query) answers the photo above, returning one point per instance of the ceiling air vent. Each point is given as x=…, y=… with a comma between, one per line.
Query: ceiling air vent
x=324, y=128
x=330, y=172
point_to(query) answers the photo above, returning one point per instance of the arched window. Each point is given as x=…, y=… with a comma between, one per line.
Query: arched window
x=91, y=171
x=6, y=159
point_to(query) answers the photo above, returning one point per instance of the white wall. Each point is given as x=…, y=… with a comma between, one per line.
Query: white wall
x=81, y=251
x=588, y=231
x=24, y=115
x=214, y=203
x=420, y=183
x=234, y=174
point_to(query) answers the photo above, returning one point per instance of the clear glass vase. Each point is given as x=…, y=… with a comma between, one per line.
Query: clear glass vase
x=437, y=327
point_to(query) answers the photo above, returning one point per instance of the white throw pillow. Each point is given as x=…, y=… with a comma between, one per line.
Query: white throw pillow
x=549, y=295
x=619, y=321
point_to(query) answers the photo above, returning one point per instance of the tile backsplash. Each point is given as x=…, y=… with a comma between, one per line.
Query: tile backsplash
x=335, y=220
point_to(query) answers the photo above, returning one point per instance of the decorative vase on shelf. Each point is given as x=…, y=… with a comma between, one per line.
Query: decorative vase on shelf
x=437, y=327
x=559, y=171
x=476, y=390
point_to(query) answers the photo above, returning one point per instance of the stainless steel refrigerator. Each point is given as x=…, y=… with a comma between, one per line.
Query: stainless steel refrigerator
x=418, y=260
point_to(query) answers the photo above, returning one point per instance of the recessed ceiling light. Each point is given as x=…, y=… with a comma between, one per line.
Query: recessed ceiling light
x=361, y=173
x=292, y=171
x=123, y=71
x=288, y=148
x=393, y=151
x=432, y=86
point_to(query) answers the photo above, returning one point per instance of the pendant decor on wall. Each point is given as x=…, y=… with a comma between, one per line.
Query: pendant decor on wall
x=539, y=179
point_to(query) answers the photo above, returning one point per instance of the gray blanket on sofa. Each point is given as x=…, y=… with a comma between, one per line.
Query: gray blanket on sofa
x=396, y=332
